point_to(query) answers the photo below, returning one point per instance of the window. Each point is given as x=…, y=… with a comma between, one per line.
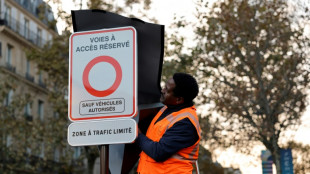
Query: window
x=28, y=150
x=27, y=67
x=42, y=150
x=56, y=115
x=56, y=155
x=9, y=55
x=8, y=15
x=39, y=37
x=40, y=77
x=23, y=2
x=32, y=6
x=28, y=71
x=41, y=80
x=77, y=152
x=9, y=97
x=28, y=109
x=41, y=110
x=26, y=28
x=9, y=141
x=66, y=97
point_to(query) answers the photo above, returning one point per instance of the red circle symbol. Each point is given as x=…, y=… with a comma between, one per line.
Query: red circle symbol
x=114, y=86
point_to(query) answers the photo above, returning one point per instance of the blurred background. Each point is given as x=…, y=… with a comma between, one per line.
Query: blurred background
x=251, y=58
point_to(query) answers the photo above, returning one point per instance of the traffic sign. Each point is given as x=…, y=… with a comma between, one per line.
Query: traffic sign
x=103, y=74
x=108, y=131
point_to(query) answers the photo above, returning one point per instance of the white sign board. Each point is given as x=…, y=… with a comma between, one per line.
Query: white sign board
x=103, y=74
x=108, y=131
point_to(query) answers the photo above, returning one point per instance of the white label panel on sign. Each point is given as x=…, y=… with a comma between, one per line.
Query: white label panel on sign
x=102, y=106
x=103, y=74
x=108, y=131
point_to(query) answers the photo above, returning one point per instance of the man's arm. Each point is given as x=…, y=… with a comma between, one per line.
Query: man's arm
x=181, y=135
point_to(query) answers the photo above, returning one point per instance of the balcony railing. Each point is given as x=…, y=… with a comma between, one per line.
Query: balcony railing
x=23, y=30
x=28, y=117
x=38, y=9
x=29, y=77
x=10, y=67
x=42, y=84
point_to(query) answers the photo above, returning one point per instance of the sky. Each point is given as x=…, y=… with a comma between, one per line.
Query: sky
x=165, y=10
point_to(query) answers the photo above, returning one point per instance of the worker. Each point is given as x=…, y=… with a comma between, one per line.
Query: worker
x=171, y=143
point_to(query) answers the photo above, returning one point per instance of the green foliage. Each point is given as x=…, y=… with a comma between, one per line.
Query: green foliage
x=53, y=59
x=55, y=53
x=21, y=135
x=176, y=58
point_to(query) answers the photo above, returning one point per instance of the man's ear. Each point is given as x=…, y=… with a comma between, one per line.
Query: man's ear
x=180, y=100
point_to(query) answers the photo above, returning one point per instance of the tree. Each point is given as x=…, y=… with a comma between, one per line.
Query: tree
x=22, y=134
x=7, y=117
x=252, y=59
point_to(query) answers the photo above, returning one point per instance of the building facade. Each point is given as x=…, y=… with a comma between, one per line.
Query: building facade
x=24, y=25
x=22, y=29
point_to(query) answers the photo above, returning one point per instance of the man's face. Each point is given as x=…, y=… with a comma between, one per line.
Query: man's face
x=167, y=96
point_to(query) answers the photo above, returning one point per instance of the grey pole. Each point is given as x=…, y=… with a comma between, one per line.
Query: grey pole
x=104, y=159
x=197, y=167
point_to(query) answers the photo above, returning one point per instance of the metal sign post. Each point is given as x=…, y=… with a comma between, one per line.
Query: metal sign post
x=104, y=159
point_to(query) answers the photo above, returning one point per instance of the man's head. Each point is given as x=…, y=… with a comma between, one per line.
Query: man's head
x=181, y=88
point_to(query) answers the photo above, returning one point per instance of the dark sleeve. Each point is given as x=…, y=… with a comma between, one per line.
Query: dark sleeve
x=181, y=135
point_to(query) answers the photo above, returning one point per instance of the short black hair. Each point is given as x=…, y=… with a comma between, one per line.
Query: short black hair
x=185, y=86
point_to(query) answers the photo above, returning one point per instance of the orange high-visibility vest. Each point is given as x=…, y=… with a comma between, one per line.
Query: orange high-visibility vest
x=182, y=161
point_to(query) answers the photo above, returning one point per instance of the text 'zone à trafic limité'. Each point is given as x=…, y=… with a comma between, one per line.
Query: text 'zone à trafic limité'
x=127, y=130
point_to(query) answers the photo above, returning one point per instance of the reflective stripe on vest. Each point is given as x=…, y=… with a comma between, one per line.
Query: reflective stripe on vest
x=191, y=155
x=163, y=109
x=173, y=119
